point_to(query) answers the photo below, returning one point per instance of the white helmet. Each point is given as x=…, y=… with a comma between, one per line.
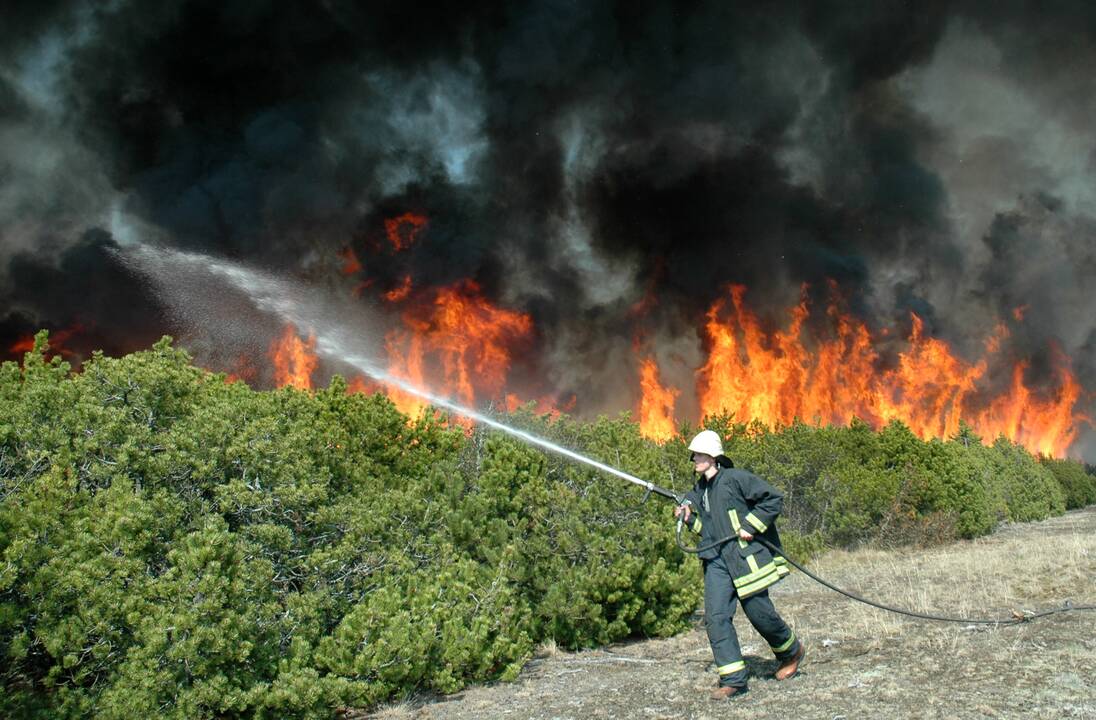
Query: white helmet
x=708, y=443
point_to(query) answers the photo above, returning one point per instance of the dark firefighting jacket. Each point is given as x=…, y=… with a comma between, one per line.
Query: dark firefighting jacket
x=732, y=500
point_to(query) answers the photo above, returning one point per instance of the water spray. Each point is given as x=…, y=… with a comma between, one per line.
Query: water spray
x=279, y=297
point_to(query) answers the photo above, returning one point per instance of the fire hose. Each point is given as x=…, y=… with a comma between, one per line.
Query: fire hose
x=1016, y=617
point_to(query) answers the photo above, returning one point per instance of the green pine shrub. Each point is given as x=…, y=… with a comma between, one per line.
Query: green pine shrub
x=176, y=545
x=1021, y=487
x=1078, y=485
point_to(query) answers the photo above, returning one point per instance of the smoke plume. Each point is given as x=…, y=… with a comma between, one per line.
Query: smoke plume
x=607, y=168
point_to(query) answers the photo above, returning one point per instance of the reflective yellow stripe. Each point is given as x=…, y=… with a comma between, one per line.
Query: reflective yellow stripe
x=784, y=646
x=753, y=563
x=736, y=525
x=748, y=590
x=763, y=571
x=752, y=519
x=781, y=565
x=697, y=525
x=732, y=667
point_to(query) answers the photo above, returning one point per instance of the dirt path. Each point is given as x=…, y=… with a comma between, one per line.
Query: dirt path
x=860, y=662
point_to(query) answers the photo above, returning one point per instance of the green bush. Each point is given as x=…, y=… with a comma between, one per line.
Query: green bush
x=1078, y=485
x=1023, y=489
x=178, y=546
x=851, y=485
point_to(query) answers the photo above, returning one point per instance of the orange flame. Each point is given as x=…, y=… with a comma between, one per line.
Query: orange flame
x=294, y=360
x=929, y=388
x=776, y=379
x=1048, y=426
x=404, y=230
x=656, y=405
x=399, y=293
x=24, y=344
x=351, y=264
x=543, y=406
x=57, y=340
x=461, y=338
x=405, y=361
x=243, y=371
x=362, y=385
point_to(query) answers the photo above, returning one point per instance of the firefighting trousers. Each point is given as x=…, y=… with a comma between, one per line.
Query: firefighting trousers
x=719, y=608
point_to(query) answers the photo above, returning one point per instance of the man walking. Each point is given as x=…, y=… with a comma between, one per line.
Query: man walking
x=739, y=506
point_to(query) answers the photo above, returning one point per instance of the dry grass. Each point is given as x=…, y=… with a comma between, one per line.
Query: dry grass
x=1022, y=568
x=861, y=662
x=547, y=649
x=391, y=711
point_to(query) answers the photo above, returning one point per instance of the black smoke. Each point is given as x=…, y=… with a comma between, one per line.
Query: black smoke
x=576, y=160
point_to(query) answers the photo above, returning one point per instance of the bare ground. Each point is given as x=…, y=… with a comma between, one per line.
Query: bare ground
x=860, y=662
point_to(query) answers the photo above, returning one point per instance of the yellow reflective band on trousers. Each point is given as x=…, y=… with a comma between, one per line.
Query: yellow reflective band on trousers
x=732, y=667
x=781, y=565
x=752, y=519
x=784, y=645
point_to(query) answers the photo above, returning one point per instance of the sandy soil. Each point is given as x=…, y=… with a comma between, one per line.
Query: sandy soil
x=860, y=662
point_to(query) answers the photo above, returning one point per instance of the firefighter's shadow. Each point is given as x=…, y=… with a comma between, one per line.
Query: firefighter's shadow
x=758, y=667
x=762, y=668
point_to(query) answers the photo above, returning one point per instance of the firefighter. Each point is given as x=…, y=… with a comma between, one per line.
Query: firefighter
x=725, y=503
